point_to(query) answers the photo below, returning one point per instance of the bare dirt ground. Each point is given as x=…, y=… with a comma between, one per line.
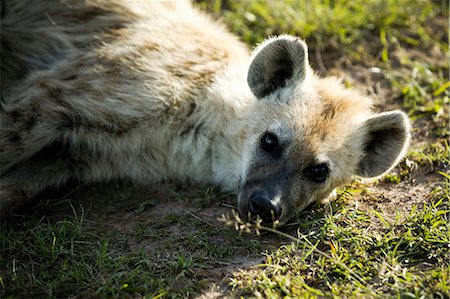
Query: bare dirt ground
x=168, y=215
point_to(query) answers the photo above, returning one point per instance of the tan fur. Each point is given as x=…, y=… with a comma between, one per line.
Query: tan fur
x=100, y=90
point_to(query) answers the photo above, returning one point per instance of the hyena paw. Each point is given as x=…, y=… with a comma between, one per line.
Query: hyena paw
x=11, y=198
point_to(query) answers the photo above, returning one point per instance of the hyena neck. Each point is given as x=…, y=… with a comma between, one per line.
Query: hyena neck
x=231, y=91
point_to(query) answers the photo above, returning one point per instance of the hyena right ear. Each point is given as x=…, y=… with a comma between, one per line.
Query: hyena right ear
x=278, y=63
x=386, y=140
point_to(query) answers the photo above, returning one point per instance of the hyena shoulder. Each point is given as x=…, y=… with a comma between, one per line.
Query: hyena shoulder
x=110, y=90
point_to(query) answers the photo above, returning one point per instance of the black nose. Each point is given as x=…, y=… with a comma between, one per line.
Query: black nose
x=261, y=205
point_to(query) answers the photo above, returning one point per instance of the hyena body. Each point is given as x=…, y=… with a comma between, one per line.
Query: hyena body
x=102, y=90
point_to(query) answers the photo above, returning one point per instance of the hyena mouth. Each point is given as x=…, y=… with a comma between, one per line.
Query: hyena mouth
x=264, y=204
x=267, y=208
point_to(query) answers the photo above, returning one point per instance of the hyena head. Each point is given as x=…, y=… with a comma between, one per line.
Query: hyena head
x=306, y=135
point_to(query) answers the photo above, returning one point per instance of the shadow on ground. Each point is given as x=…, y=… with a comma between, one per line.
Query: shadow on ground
x=177, y=230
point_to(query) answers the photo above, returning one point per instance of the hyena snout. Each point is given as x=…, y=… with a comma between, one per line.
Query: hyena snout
x=266, y=205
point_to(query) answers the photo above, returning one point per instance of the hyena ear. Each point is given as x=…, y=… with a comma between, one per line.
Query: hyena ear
x=386, y=139
x=277, y=63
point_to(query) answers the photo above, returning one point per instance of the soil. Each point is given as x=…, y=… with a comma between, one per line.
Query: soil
x=120, y=207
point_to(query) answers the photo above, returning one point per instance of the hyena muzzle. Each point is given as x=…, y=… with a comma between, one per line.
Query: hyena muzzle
x=104, y=90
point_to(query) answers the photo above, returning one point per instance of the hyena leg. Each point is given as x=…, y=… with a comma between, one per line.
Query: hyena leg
x=31, y=146
x=19, y=184
x=32, y=157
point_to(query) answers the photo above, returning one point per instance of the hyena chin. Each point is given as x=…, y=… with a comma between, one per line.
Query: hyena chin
x=106, y=90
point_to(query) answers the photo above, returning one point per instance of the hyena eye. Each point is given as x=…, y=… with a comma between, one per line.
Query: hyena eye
x=317, y=173
x=269, y=142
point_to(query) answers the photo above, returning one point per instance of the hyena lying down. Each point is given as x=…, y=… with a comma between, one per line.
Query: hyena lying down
x=101, y=90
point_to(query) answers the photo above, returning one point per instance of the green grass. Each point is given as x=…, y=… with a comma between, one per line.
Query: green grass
x=44, y=257
x=342, y=25
x=361, y=245
x=371, y=33
x=354, y=252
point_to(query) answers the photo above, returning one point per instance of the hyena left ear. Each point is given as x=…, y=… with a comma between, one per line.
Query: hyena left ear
x=277, y=63
x=386, y=140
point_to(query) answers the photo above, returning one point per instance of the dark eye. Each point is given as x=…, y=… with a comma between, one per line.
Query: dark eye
x=269, y=142
x=318, y=173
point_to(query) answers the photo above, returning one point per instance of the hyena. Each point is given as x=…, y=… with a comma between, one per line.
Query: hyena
x=100, y=90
